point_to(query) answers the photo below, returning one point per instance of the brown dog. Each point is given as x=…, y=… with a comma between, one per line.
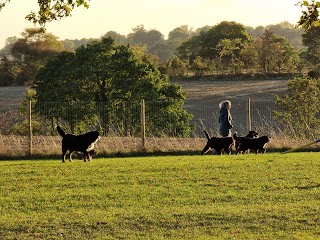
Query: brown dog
x=218, y=144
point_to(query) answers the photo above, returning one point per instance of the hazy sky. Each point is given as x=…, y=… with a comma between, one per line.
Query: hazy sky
x=165, y=15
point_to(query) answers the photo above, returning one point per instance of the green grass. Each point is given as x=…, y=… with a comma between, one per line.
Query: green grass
x=271, y=196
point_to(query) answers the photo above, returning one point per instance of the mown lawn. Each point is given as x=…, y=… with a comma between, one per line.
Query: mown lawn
x=271, y=196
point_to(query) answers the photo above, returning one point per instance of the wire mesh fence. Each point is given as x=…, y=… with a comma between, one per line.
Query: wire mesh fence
x=124, y=118
x=253, y=114
x=121, y=124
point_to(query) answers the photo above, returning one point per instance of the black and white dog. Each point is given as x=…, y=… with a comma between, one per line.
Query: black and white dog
x=80, y=143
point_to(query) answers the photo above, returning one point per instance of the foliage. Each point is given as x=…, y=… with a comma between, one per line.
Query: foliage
x=232, y=58
x=229, y=54
x=29, y=53
x=178, y=35
x=310, y=16
x=269, y=196
x=6, y=77
x=274, y=52
x=311, y=39
x=205, y=44
x=114, y=74
x=300, y=107
x=51, y=10
x=176, y=67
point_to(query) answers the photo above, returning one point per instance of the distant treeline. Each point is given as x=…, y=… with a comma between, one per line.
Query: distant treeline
x=226, y=49
x=157, y=44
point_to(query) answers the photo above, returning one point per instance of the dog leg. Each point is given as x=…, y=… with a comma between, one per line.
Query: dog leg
x=206, y=148
x=86, y=156
x=64, y=156
x=70, y=158
x=219, y=151
x=64, y=152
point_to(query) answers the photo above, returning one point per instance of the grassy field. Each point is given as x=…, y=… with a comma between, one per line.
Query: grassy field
x=271, y=196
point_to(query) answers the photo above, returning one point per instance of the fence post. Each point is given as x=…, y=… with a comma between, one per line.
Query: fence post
x=29, y=127
x=248, y=114
x=143, y=124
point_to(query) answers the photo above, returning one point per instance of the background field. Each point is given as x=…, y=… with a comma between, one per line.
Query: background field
x=271, y=196
x=230, y=89
x=196, y=90
x=203, y=98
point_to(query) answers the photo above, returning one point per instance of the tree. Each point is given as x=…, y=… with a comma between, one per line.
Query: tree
x=162, y=51
x=249, y=58
x=205, y=44
x=274, y=52
x=6, y=77
x=299, y=108
x=118, y=38
x=289, y=31
x=50, y=10
x=141, y=36
x=114, y=74
x=176, y=67
x=310, y=16
x=229, y=54
x=29, y=53
x=177, y=36
x=255, y=32
x=311, y=39
x=22, y=57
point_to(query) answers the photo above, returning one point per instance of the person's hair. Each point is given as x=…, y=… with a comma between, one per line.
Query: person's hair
x=223, y=103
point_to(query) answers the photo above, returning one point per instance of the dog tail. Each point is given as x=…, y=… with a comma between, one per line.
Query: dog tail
x=235, y=135
x=60, y=131
x=206, y=133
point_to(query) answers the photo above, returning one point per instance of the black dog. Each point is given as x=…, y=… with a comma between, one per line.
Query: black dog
x=251, y=134
x=255, y=144
x=218, y=144
x=82, y=143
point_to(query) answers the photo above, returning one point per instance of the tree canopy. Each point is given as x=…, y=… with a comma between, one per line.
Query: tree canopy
x=310, y=13
x=102, y=71
x=299, y=108
x=26, y=55
x=51, y=10
x=205, y=44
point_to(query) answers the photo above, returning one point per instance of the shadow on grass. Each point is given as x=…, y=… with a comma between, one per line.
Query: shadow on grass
x=139, y=154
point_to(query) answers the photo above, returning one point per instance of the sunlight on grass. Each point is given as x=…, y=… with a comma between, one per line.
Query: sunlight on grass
x=271, y=196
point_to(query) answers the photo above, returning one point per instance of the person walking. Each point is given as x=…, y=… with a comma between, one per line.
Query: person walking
x=225, y=119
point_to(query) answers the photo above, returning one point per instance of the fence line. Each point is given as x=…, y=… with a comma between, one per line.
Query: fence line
x=142, y=119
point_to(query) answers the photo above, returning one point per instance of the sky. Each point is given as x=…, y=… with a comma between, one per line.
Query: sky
x=165, y=15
